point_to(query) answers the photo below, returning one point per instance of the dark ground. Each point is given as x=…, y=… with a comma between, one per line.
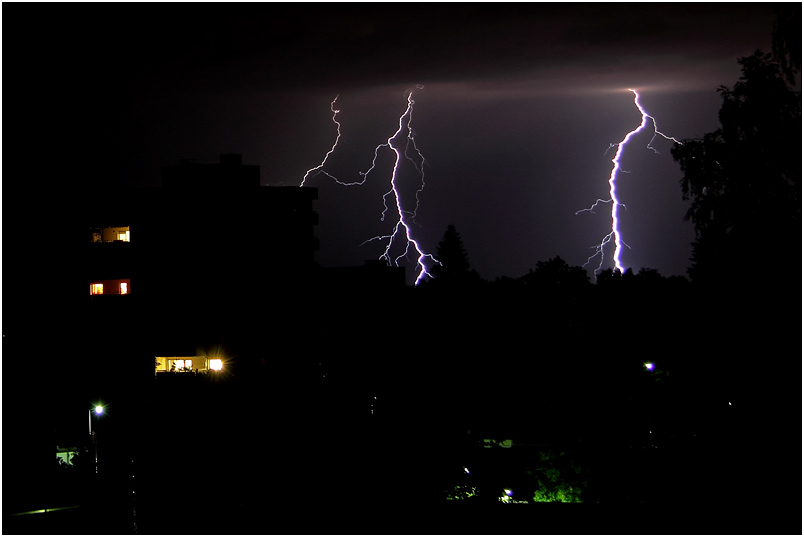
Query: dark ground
x=277, y=447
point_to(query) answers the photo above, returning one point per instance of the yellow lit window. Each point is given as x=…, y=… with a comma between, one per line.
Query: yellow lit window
x=123, y=288
x=216, y=364
x=180, y=364
x=124, y=236
x=96, y=289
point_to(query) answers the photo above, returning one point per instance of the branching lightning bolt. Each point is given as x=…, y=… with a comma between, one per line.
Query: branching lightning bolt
x=320, y=167
x=402, y=226
x=613, y=199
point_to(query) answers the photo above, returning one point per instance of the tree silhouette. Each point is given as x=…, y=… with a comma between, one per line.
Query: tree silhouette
x=787, y=38
x=454, y=264
x=744, y=179
x=556, y=274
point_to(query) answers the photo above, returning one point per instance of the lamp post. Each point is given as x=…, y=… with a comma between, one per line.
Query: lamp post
x=98, y=411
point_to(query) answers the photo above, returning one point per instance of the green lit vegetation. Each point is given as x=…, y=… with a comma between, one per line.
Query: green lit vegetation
x=508, y=497
x=461, y=492
x=557, y=479
x=542, y=476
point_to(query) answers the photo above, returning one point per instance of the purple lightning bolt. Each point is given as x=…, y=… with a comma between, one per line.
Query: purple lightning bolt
x=402, y=225
x=613, y=199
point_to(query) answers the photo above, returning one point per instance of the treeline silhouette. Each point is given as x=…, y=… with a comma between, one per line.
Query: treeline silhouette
x=744, y=179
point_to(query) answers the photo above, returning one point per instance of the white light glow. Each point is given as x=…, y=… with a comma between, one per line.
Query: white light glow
x=216, y=364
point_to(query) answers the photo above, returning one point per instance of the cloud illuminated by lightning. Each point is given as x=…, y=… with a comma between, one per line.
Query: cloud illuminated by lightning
x=402, y=227
x=613, y=199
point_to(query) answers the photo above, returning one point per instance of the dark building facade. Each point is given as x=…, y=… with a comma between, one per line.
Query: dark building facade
x=174, y=268
x=211, y=232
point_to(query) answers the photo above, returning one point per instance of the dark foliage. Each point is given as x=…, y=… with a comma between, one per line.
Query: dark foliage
x=744, y=179
x=787, y=39
x=556, y=274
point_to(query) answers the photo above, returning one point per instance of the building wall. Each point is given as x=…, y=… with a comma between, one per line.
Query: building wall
x=200, y=260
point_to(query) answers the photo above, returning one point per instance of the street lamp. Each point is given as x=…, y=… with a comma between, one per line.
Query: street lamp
x=98, y=411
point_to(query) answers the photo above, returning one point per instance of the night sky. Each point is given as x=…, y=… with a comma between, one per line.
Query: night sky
x=517, y=107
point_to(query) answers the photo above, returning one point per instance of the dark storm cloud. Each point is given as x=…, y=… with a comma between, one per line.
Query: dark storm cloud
x=273, y=46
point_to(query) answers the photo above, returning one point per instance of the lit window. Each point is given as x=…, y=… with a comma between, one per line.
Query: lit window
x=216, y=364
x=124, y=236
x=123, y=288
x=180, y=364
x=96, y=289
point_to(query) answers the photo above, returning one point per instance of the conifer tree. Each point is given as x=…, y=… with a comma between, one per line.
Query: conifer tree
x=454, y=261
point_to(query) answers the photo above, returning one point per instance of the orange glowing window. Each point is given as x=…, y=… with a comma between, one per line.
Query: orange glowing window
x=96, y=289
x=123, y=288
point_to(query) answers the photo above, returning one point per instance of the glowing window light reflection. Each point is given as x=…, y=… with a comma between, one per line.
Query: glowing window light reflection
x=96, y=289
x=123, y=288
x=216, y=364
